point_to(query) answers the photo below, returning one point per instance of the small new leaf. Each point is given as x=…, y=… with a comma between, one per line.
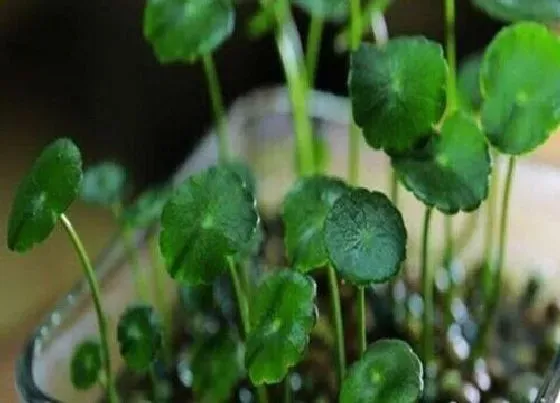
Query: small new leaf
x=304, y=212
x=104, y=184
x=521, y=10
x=147, y=208
x=282, y=317
x=140, y=336
x=210, y=217
x=185, y=30
x=85, y=366
x=217, y=367
x=520, y=82
x=365, y=237
x=326, y=9
x=47, y=191
x=389, y=371
x=450, y=170
x=397, y=91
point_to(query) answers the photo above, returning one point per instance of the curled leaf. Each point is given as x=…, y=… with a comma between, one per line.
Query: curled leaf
x=47, y=191
x=389, y=371
x=365, y=237
x=282, y=317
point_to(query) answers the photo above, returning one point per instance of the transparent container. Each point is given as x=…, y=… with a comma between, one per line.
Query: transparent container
x=261, y=132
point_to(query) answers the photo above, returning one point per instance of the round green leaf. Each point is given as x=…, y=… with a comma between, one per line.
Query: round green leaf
x=147, y=208
x=282, y=317
x=327, y=9
x=397, y=91
x=517, y=10
x=468, y=83
x=520, y=80
x=140, y=336
x=217, y=367
x=304, y=212
x=365, y=237
x=85, y=366
x=449, y=171
x=104, y=184
x=47, y=191
x=389, y=371
x=184, y=30
x=210, y=217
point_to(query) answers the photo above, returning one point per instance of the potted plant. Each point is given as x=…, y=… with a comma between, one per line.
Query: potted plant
x=338, y=317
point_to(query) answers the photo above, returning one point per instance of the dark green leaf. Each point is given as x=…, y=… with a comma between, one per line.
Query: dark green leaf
x=85, y=367
x=517, y=10
x=210, y=217
x=397, y=91
x=140, y=336
x=304, y=212
x=184, y=30
x=217, y=367
x=104, y=184
x=47, y=191
x=468, y=84
x=520, y=79
x=450, y=171
x=389, y=371
x=327, y=9
x=365, y=237
x=282, y=317
x=147, y=208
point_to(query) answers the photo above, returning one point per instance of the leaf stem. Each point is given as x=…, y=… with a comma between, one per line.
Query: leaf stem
x=287, y=389
x=492, y=303
x=96, y=297
x=291, y=55
x=154, y=380
x=354, y=135
x=394, y=183
x=488, y=264
x=134, y=260
x=451, y=54
x=362, y=336
x=217, y=106
x=313, y=47
x=244, y=314
x=339, y=329
x=428, y=293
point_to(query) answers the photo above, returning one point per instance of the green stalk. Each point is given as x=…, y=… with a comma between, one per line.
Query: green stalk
x=140, y=280
x=488, y=263
x=289, y=49
x=244, y=314
x=354, y=135
x=287, y=389
x=362, y=336
x=394, y=183
x=217, y=106
x=160, y=274
x=339, y=328
x=96, y=297
x=428, y=293
x=451, y=54
x=492, y=303
x=154, y=380
x=313, y=47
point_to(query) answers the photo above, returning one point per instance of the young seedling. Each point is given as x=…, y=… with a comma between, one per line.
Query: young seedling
x=42, y=199
x=519, y=80
x=186, y=31
x=388, y=372
x=365, y=239
x=282, y=316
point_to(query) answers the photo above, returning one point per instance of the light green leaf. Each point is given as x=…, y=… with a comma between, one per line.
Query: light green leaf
x=520, y=80
x=147, y=208
x=449, y=171
x=210, y=217
x=365, y=237
x=104, y=184
x=327, y=9
x=85, y=366
x=47, y=191
x=184, y=30
x=217, y=367
x=140, y=337
x=389, y=371
x=282, y=317
x=304, y=212
x=397, y=91
x=517, y=10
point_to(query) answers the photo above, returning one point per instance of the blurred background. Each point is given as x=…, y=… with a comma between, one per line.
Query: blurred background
x=83, y=69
